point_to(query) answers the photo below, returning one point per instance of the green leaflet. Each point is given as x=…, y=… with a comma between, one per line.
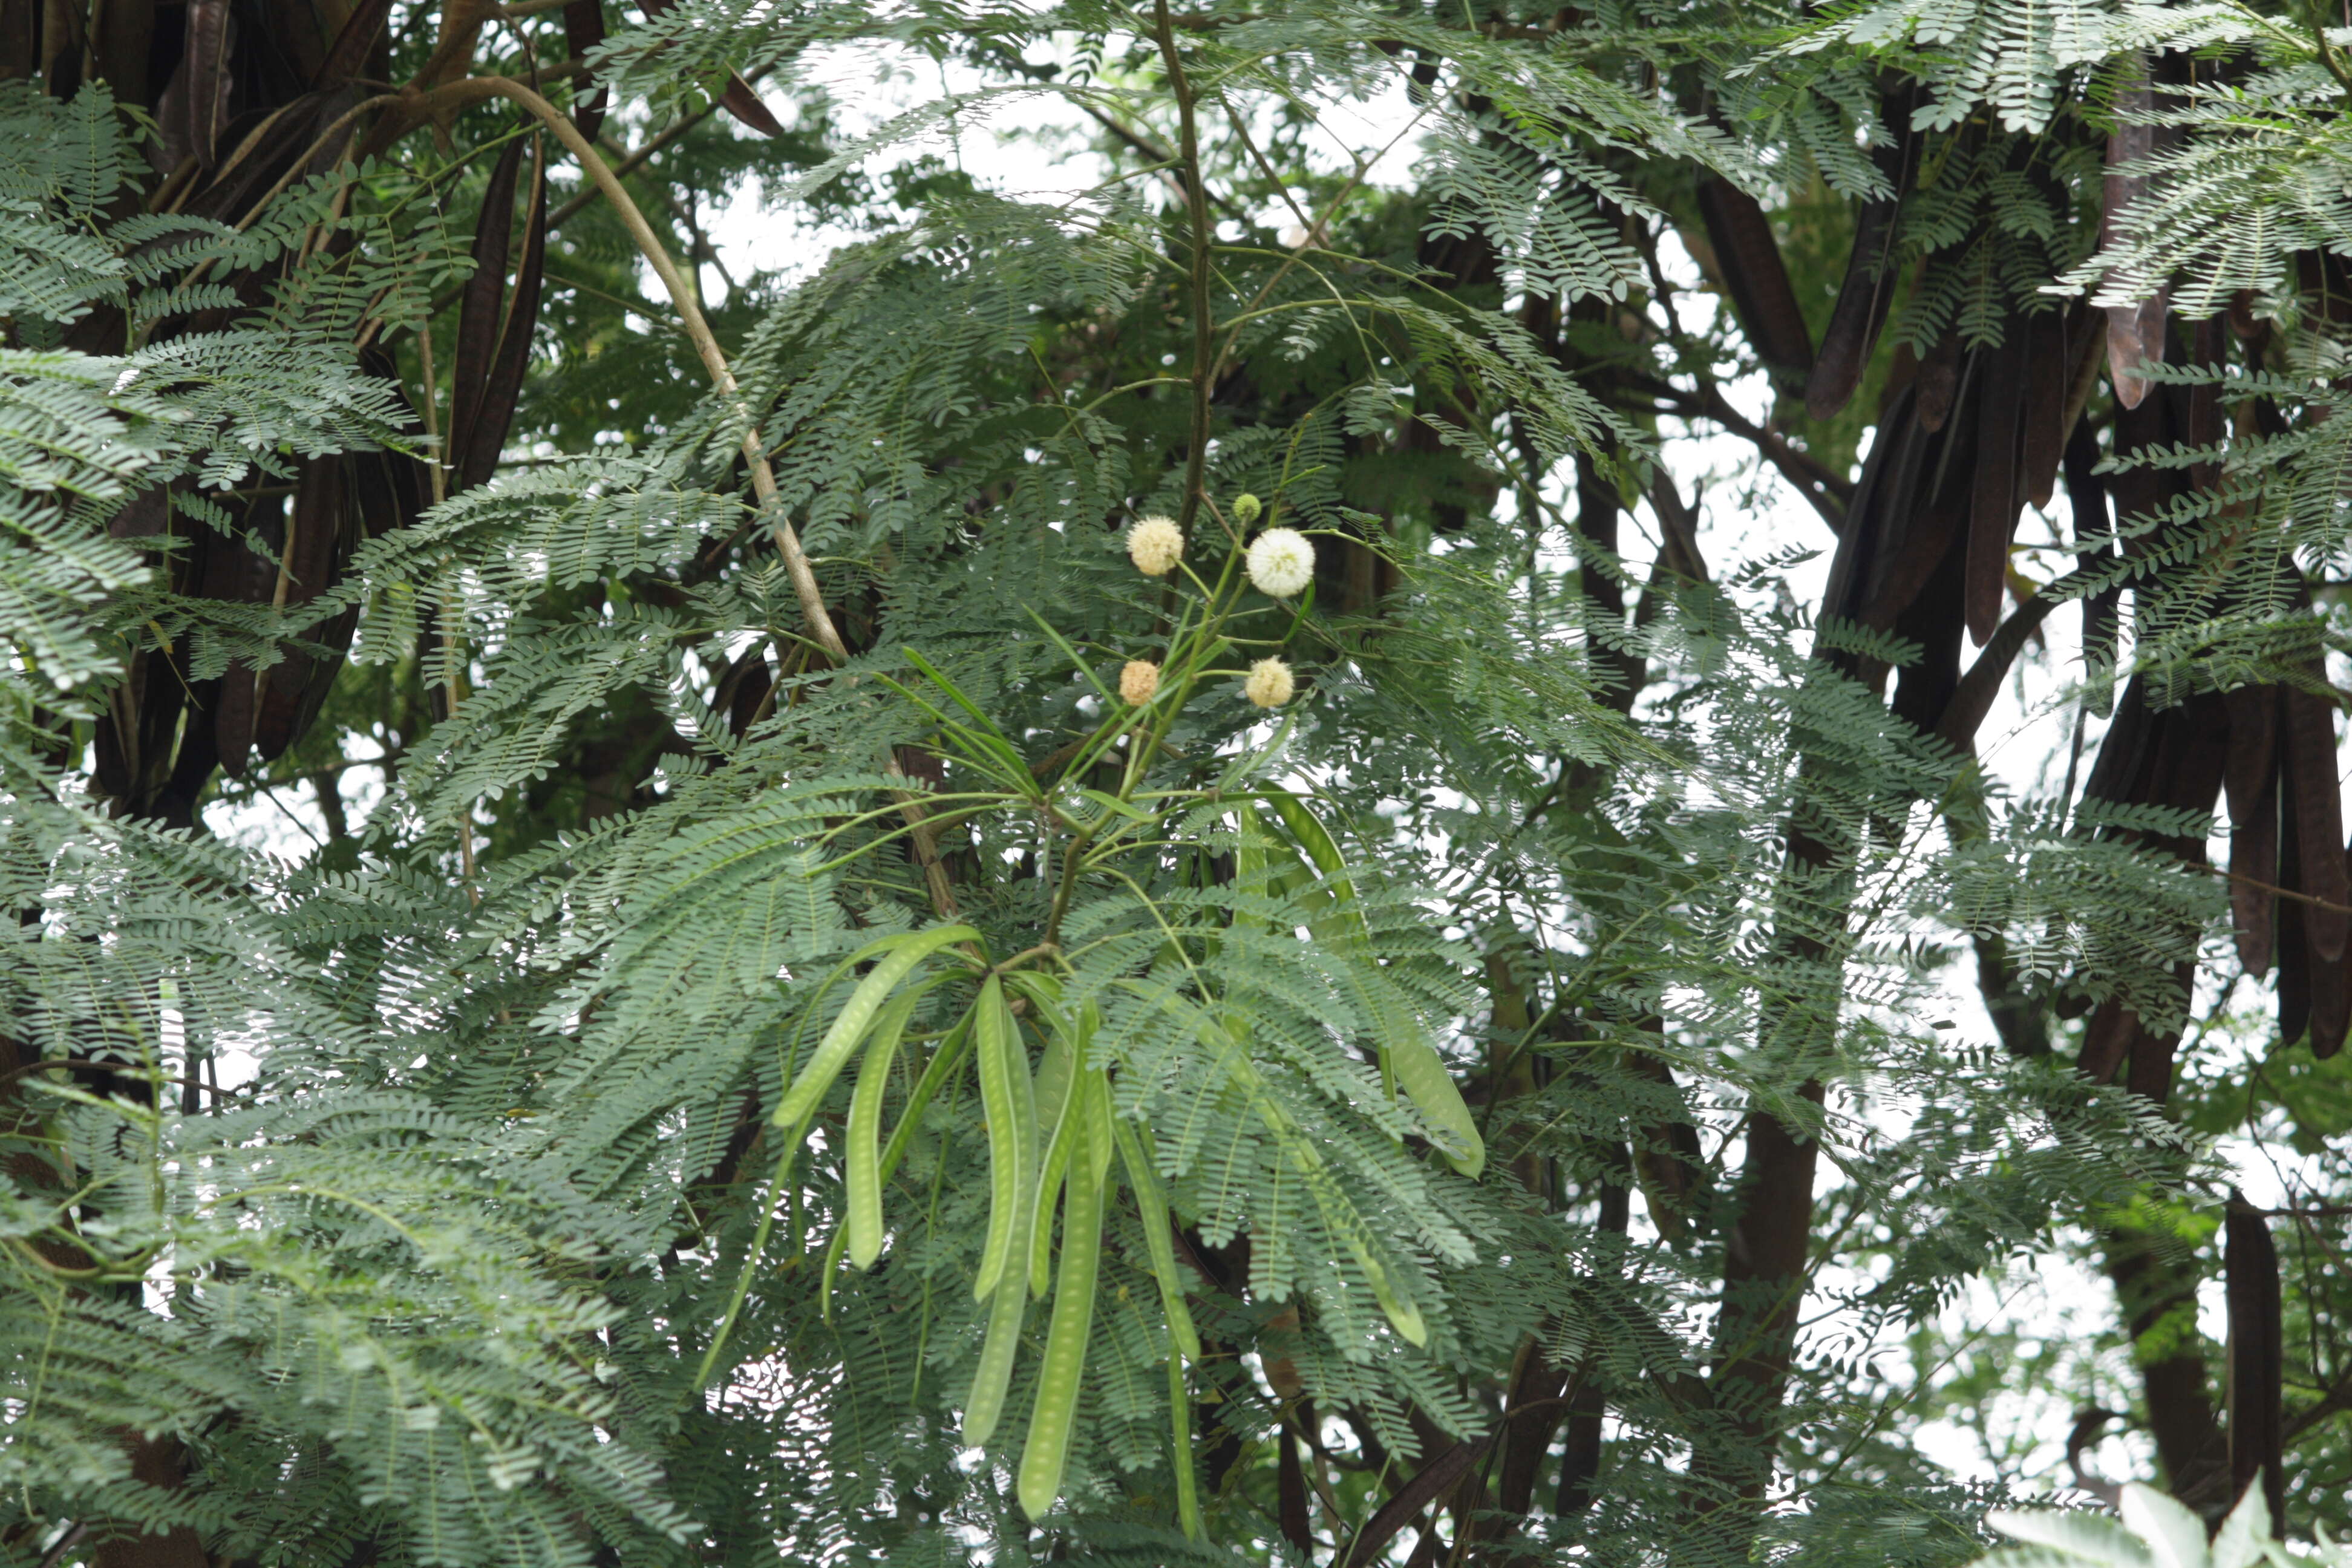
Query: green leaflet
x=903, y=952
x=1404, y=1045
x=864, y=1226
x=1059, y=1377
x=1008, y=1099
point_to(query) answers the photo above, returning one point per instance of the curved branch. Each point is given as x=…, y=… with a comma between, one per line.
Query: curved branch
x=698, y=329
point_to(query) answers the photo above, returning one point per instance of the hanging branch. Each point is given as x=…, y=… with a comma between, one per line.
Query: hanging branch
x=697, y=331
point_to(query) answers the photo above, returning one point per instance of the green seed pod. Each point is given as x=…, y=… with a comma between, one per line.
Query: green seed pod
x=1007, y=1099
x=1049, y=1189
x=1180, y=1452
x=1062, y=1372
x=865, y=1221
x=1151, y=1203
x=985, y=1402
x=848, y=1032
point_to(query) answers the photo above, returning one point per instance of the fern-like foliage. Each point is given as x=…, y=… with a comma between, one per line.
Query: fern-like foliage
x=1055, y=1050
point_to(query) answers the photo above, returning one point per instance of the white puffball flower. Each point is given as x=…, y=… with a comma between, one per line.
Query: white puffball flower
x=1269, y=684
x=1139, y=682
x=1281, y=562
x=1155, y=545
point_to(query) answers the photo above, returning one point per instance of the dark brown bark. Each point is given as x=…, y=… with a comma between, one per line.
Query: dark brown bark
x=1290, y=1479
x=2158, y=1292
x=1446, y=1468
x=1764, y=1272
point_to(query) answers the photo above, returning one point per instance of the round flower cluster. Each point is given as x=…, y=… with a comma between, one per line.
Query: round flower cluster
x=1281, y=562
x=1139, y=682
x=1155, y=544
x=1246, y=508
x=1269, y=684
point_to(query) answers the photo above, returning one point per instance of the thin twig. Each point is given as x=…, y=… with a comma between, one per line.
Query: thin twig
x=1827, y=491
x=1306, y=224
x=64, y=1548
x=630, y=164
x=449, y=612
x=1151, y=149
x=2271, y=887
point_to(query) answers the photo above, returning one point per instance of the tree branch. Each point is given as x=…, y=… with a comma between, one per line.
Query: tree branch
x=1415, y=1496
x=1824, y=490
x=763, y=478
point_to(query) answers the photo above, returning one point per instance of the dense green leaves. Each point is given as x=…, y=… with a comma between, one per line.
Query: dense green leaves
x=1016, y=1091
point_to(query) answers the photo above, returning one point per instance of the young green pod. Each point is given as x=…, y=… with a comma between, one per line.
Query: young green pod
x=1061, y=1372
x=1007, y=1099
x=985, y=1402
x=1420, y=1073
x=826, y=1271
x=1180, y=1456
x=1406, y=1053
x=900, y=953
x=1049, y=1189
x=864, y=1148
x=1066, y=1048
x=1402, y=1315
x=1151, y=1204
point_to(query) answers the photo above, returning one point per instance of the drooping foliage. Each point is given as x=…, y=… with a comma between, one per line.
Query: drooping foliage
x=1122, y=872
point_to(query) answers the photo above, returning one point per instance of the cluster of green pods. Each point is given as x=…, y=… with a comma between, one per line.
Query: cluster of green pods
x=1054, y=1141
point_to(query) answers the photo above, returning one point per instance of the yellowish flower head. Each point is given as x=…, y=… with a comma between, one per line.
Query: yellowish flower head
x=1246, y=509
x=1155, y=544
x=1139, y=682
x=1281, y=562
x=1269, y=684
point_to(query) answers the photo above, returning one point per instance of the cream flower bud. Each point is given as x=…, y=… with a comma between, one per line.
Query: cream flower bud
x=1246, y=508
x=1139, y=682
x=1269, y=684
x=1155, y=545
x=1281, y=562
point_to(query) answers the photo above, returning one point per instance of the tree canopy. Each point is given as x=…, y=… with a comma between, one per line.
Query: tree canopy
x=1504, y=786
